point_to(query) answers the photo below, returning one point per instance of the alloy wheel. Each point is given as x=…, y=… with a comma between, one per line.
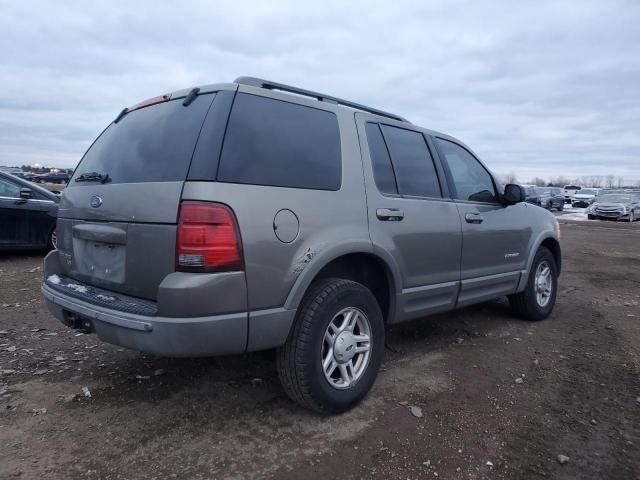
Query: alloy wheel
x=346, y=348
x=543, y=284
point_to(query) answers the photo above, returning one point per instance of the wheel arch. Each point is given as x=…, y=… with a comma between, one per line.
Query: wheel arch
x=548, y=240
x=363, y=265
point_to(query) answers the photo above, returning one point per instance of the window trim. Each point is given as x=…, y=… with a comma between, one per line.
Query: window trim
x=452, y=187
x=443, y=193
x=373, y=171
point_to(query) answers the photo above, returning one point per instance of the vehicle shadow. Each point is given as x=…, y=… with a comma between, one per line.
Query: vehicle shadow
x=136, y=377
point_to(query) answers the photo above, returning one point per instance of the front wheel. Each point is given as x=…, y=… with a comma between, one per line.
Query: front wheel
x=333, y=354
x=52, y=242
x=536, y=301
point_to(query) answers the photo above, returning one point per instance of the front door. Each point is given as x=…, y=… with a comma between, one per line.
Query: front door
x=494, y=236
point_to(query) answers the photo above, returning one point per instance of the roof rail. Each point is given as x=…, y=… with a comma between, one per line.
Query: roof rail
x=262, y=83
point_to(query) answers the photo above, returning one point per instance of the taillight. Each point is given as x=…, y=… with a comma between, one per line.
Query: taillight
x=208, y=238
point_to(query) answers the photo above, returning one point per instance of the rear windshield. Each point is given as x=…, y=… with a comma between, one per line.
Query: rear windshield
x=153, y=144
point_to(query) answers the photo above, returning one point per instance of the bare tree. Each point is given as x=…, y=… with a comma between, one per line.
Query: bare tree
x=510, y=178
x=620, y=182
x=538, y=182
x=610, y=181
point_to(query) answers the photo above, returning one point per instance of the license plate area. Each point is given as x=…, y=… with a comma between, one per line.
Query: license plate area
x=100, y=260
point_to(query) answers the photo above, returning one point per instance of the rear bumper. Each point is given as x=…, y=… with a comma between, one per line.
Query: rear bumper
x=166, y=332
x=173, y=337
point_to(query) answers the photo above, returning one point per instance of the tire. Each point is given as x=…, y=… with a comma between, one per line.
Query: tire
x=591, y=217
x=561, y=207
x=52, y=241
x=527, y=304
x=300, y=360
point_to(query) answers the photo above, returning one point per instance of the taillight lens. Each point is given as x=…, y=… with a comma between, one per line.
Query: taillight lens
x=208, y=238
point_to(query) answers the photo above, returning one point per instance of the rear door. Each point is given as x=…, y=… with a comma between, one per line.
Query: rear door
x=494, y=236
x=410, y=217
x=119, y=232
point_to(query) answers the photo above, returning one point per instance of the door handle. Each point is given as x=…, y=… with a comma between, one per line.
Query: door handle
x=473, y=218
x=389, y=214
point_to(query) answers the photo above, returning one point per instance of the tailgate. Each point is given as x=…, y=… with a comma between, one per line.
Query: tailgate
x=117, y=217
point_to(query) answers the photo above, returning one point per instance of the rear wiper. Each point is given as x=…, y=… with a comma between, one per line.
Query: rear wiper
x=94, y=177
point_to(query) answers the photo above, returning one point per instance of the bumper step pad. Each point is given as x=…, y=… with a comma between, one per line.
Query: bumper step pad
x=98, y=296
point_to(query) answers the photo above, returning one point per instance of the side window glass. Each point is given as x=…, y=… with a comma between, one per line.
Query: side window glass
x=412, y=162
x=380, y=160
x=9, y=189
x=282, y=144
x=471, y=181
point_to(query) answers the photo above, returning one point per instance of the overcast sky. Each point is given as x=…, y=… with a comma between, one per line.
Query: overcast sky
x=549, y=89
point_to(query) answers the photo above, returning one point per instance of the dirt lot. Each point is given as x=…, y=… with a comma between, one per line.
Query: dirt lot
x=162, y=418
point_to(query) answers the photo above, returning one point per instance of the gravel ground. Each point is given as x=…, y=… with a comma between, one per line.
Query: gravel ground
x=472, y=394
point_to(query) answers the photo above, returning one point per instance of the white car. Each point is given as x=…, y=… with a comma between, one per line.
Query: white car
x=569, y=191
x=584, y=197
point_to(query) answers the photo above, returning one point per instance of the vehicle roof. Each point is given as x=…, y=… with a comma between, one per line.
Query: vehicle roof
x=32, y=186
x=296, y=94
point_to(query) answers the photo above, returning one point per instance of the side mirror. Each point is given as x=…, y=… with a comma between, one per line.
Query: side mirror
x=25, y=193
x=514, y=194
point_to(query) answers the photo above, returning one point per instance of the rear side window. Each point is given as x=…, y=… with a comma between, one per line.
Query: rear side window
x=152, y=144
x=471, y=180
x=277, y=143
x=412, y=161
x=380, y=160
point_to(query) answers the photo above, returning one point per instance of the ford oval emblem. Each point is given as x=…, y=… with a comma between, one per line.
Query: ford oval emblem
x=95, y=201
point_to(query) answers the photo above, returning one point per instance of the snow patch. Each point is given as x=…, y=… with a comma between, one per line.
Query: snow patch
x=106, y=298
x=77, y=288
x=55, y=279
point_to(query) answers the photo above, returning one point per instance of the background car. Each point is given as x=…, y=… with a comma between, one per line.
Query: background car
x=584, y=197
x=570, y=191
x=27, y=215
x=615, y=206
x=52, y=177
x=545, y=197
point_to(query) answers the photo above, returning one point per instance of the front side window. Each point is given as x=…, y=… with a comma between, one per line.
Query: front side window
x=283, y=144
x=471, y=180
x=412, y=161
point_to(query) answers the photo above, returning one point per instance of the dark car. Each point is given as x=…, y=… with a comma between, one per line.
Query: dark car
x=545, y=197
x=57, y=177
x=27, y=214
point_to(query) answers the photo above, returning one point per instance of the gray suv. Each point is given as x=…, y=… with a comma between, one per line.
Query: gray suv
x=254, y=215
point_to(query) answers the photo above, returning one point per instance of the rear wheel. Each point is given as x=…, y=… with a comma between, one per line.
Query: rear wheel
x=539, y=296
x=333, y=354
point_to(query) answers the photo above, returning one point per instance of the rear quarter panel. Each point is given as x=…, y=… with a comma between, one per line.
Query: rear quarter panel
x=326, y=218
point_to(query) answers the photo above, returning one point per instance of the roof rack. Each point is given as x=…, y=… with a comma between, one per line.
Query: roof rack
x=262, y=83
